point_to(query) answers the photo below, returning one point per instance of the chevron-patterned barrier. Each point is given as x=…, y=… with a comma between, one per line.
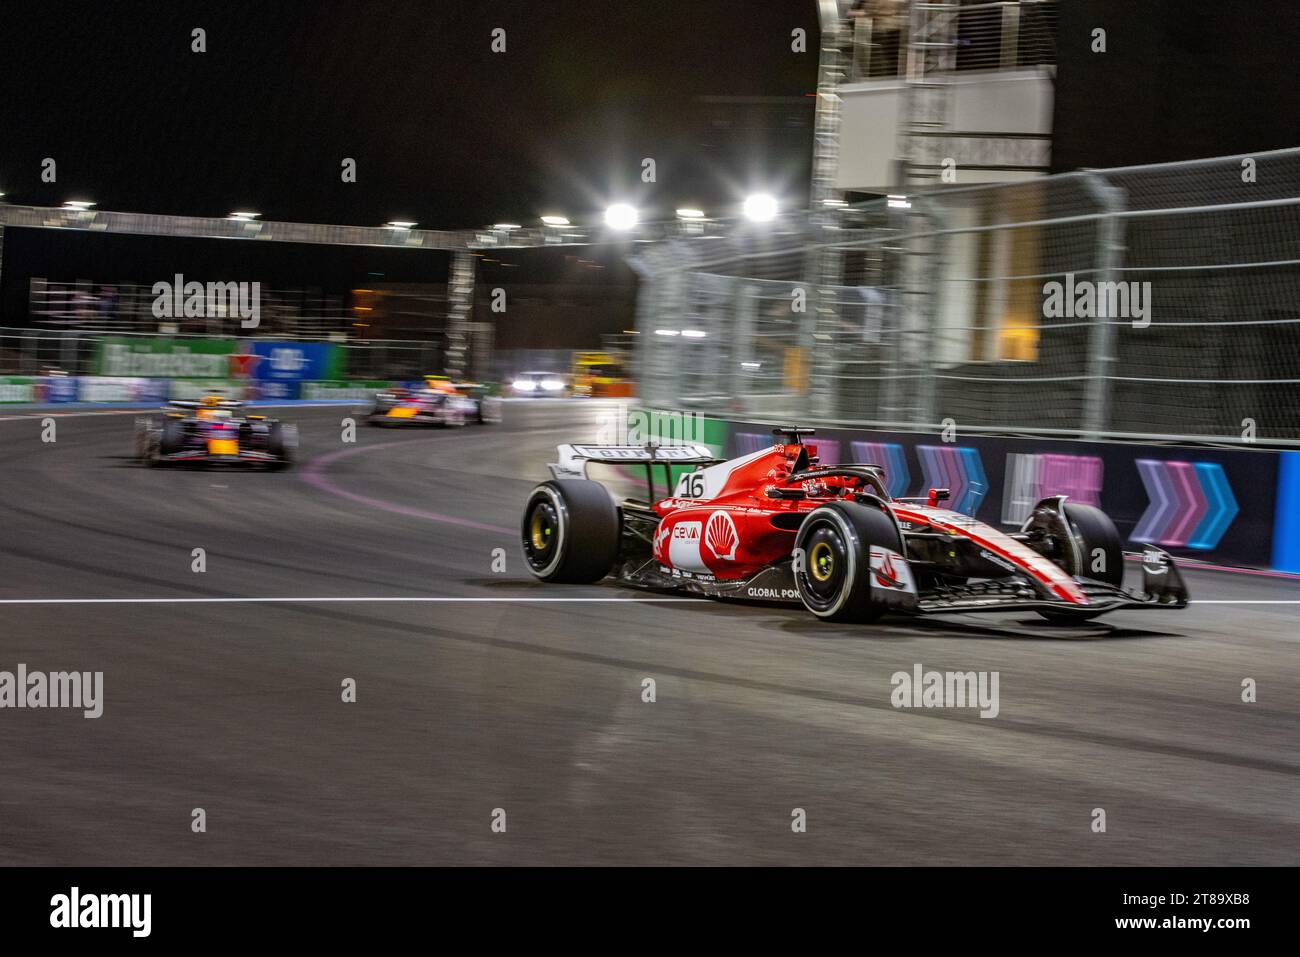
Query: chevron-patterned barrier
x=957, y=469
x=1192, y=504
x=890, y=457
x=1031, y=477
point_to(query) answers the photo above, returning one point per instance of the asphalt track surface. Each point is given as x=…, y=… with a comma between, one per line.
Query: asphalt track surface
x=535, y=707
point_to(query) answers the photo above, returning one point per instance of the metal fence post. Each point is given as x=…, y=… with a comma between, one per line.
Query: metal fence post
x=928, y=318
x=67, y=351
x=1101, y=337
x=746, y=300
x=460, y=299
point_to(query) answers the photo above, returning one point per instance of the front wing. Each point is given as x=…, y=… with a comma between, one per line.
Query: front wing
x=1162, y=587
x=203, y=455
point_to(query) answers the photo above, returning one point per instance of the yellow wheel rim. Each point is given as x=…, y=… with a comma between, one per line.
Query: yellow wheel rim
x=822, y=561
x=538, y=531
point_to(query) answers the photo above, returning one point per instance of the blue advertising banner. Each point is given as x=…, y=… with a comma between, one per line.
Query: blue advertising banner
x=293, y=361
x=278, y=389
x=60, y=389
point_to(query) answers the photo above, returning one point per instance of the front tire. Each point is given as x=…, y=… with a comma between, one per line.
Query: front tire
x=1098, y=554
x=834, y=580
x=170, y=439
x=570, y=531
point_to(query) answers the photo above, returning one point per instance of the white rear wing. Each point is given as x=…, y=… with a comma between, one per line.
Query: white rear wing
x=573, y=459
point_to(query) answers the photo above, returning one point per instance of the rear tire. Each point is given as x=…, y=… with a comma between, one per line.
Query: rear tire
x=570, y=531
x=835, y=581
x=1101, y=555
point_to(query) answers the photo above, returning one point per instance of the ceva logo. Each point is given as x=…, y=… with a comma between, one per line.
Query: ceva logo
x=721, y=537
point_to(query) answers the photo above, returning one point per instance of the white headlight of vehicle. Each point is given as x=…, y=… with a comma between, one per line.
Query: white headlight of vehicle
x=524, y=385
x=552, y=385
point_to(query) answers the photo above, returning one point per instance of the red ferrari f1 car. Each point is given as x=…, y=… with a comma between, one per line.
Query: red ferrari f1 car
x=776, y=526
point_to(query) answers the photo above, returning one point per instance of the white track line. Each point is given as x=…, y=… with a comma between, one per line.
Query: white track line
x=1245, y=601
x=525, y=601
x=215, y=601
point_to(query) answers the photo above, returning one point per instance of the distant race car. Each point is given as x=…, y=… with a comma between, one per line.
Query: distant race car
x=775, y=526
x=214, y=429
x=539, y=385
x=440, y=402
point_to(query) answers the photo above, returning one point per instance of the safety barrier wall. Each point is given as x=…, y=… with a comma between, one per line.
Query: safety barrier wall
x=88, y=352
x=1235, y=506
x=61, y=390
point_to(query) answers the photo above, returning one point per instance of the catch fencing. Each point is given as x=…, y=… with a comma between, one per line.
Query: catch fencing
x=1157, y=302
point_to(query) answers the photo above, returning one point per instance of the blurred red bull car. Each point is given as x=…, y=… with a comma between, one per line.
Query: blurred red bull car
x=214, y=430
x=440, y=402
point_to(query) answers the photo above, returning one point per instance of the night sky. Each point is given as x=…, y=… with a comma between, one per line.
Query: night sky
x=448, y=134
x=444, y=131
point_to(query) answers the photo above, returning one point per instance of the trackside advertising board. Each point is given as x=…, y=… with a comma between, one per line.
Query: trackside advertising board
x=276, y=389
x=18, y=389
x=165, y=358
x=122, y=389
x=295, y=361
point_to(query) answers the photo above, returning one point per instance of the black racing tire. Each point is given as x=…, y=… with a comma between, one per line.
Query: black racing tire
x=277, y=446
x=1098, y=543
x=570, y=531
x=170, y=439
x=834, y=578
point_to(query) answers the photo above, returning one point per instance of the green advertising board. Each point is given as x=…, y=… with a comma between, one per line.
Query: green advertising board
x=164, y=358
x=16, y=388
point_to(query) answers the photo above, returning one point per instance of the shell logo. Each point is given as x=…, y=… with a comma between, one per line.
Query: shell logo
x=661, y=536
x=886, y=575
x=721, y=536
